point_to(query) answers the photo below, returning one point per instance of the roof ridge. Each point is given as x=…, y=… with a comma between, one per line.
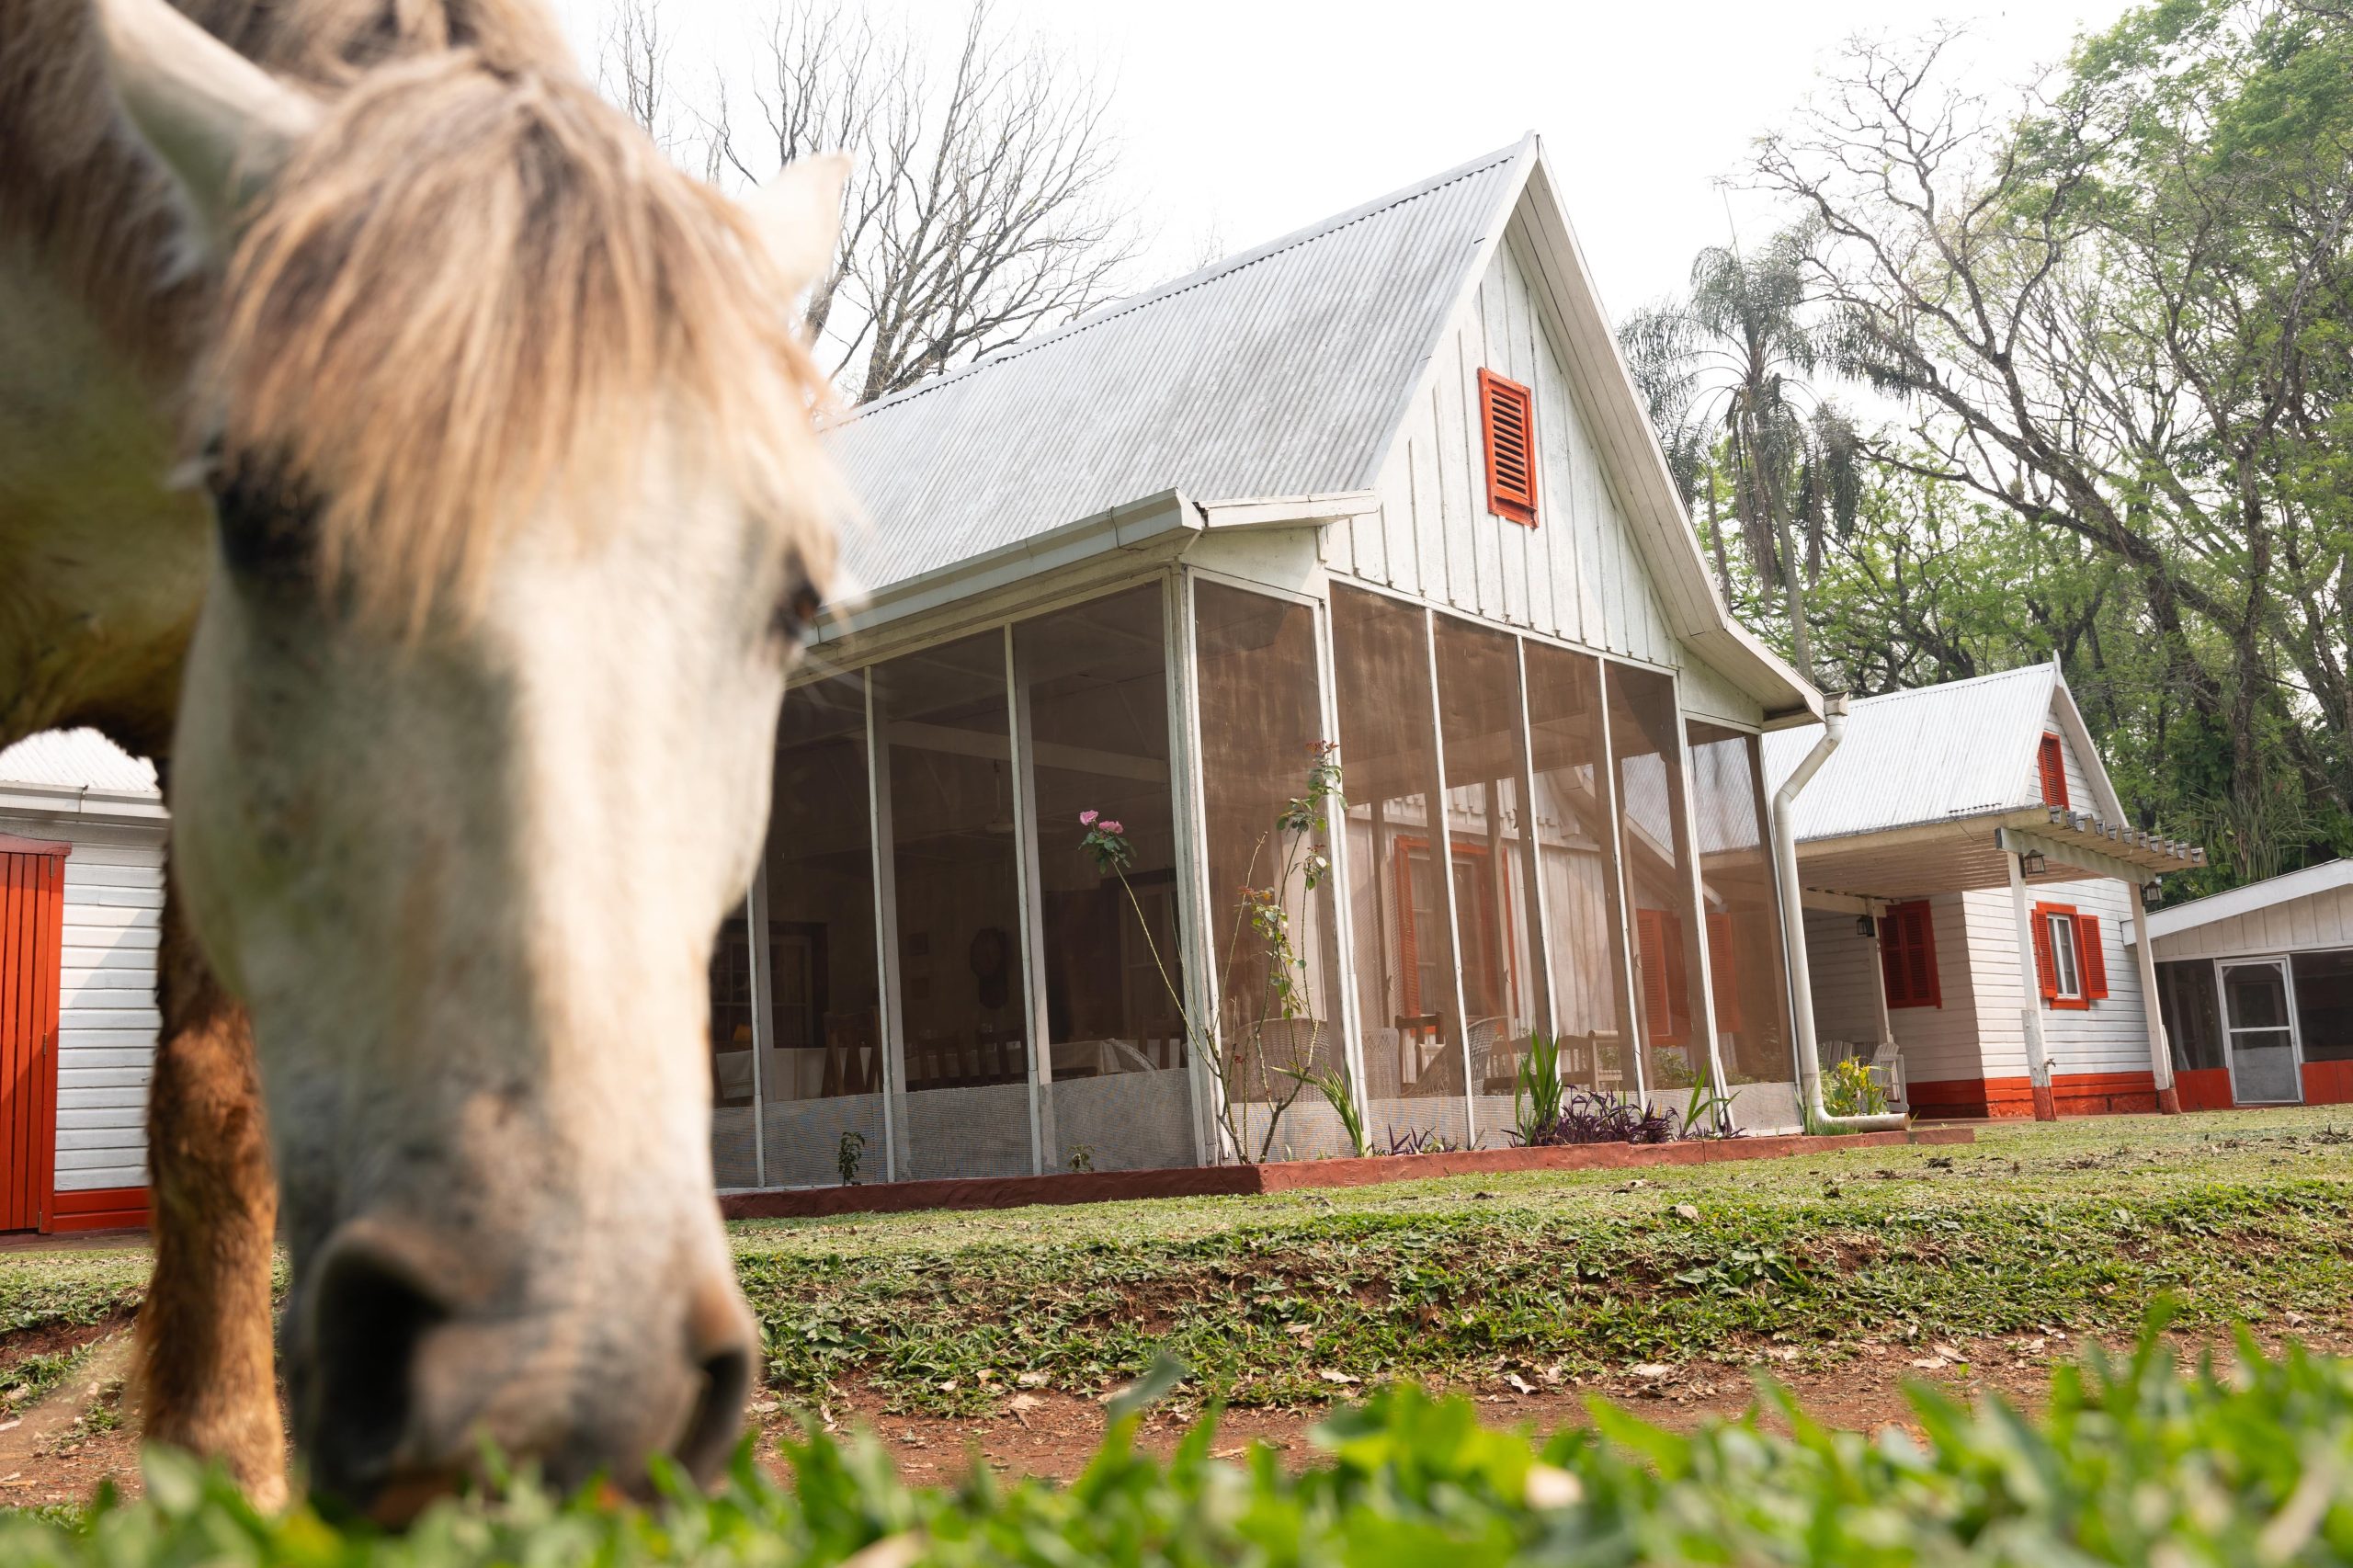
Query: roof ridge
x=1988, y=679
x=1200, y=277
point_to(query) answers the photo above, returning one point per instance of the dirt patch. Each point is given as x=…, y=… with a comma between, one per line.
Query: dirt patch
x=78, y=1436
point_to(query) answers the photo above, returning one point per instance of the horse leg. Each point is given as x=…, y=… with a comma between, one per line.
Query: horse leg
x=206, y=1357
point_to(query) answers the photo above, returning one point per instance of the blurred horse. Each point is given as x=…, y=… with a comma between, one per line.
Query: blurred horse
x=394, y=446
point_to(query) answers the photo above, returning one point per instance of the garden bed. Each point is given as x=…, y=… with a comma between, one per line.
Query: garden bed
x=1291, y=1175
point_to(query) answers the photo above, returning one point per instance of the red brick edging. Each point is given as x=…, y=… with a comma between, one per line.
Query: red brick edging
x=1289, y=1175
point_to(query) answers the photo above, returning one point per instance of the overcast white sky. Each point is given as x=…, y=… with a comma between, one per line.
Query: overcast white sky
x=1245, y=118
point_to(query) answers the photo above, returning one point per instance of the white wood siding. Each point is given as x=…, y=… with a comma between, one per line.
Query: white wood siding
x=107, y=1017
x=1844, y=978
x=2111, y=1036
x=1578, y=574
x=2317, y=920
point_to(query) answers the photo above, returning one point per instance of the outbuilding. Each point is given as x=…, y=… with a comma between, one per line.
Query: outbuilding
x=82, y=835
x=2257, y=989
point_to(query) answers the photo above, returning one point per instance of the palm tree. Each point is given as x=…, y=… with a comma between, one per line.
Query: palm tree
x=1725, y=370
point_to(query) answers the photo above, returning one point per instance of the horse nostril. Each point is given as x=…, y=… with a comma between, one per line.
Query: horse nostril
x=718, y=1414
x=369, y=1314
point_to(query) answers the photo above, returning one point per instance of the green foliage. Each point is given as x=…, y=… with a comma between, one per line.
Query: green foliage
x=2077, y=1225
x=2132, y=1462
x=1848, y=1089
x=1332, y=1085
x=1536, y=1096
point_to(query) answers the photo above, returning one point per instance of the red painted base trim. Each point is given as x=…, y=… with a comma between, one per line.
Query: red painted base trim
x=1287, y=1176
x=2078, y=1093
x=2328, y=1083
x=2169, y=1100
x=99, y=1209
x=2204, y=1088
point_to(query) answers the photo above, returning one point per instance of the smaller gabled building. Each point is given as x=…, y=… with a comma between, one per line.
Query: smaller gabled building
x=2256, y=986
x=1970, y=882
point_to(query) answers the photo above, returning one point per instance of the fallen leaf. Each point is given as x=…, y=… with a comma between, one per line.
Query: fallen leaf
x=1651, y=1369
x=1949, y=1352
x=1330, y=1376
x=1518, y=1383
x=1304, y=1330
x=1234, y=1453
x=1687, y=1210
x=1930, y=1363
x=1034, y=1380
x=946, y=1387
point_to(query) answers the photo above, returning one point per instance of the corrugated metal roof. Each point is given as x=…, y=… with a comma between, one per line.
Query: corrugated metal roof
x=78, y=759
x=1961, y=749
x=1280, y=371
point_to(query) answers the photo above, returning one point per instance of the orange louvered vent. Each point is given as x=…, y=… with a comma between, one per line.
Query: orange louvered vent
x=1508, y=413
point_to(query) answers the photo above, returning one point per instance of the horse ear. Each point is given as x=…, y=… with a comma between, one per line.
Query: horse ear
x=221, y=124
x=800, y=214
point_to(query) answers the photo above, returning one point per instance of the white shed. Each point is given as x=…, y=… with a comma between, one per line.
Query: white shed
x=82, y=835
x=2256, y=986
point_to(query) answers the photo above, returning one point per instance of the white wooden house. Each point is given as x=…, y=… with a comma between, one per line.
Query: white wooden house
x=2255, y=985
x=1381, y=484
x=1969, y=884
x=82, y=832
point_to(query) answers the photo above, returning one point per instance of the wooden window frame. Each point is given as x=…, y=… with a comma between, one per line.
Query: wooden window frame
x=1895, y=975
x=2050, y=766
x=1472, y=856
x=2083, y=947
x=1514, y=503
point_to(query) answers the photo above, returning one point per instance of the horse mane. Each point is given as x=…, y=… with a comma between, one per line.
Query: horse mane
x=475, y=291
x=98, y=208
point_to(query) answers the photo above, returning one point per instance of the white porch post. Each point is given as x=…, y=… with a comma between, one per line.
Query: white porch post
x=2160, y=1048
x=2037, y=1063
x=1878, y=981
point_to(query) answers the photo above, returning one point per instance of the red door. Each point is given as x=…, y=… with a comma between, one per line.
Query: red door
x=33, y=903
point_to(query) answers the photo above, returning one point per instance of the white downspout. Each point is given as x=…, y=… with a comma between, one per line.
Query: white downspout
x=1785, y=854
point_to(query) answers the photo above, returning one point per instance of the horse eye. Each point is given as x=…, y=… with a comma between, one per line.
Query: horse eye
x=797, y=612
x=266, y=522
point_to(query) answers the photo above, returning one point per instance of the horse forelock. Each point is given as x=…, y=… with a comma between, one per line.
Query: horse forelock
x=475, y=295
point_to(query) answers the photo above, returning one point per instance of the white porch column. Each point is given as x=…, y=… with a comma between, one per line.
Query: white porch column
x=2160, y=1048
x=2038, y=1062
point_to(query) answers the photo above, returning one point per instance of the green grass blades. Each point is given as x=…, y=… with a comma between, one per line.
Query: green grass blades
x=2135, y=1462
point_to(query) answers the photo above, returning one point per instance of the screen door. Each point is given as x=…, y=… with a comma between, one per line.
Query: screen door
x=2262, y=1032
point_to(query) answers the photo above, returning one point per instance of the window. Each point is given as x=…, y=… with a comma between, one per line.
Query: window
x=1508, y=413
x=2051, y=762
x=1907, y=956
x=2068, y=963
x=1744, y=963
x=2325, y=1006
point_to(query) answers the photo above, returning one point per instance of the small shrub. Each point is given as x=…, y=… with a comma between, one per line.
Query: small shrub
x=1848, y=1089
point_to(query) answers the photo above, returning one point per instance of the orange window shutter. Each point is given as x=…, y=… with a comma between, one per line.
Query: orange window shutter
x=1650, y=937
x=1679, y=979
x=1720, y=973
x=1920, y=957
x=1891, y=959
x=1508, y=417
x=2094, y=961
x=2053, y=762
x=2046, y=976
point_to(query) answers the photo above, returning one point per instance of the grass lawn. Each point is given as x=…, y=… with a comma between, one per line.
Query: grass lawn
x=1549, y=1276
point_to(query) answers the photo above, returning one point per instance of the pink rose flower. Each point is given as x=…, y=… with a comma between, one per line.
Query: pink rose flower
x=1113, y=827
x=1087, y=819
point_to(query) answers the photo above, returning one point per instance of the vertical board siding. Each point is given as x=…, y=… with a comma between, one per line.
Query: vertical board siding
x=30, y=896
x=1578, y=574
x=2113, y=1034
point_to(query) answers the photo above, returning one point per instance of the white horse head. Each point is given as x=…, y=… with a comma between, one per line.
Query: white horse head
x=520, y=510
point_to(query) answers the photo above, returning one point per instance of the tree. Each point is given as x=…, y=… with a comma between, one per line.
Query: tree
x=1726, y=373
x=982, y=208
x=2117, y=309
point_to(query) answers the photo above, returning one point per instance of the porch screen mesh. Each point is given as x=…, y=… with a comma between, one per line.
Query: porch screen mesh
x=1095, y=681
x=1260, y=732
x=1743, y=932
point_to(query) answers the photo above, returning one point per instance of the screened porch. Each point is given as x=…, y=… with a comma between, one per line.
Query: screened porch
x=934, y=975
